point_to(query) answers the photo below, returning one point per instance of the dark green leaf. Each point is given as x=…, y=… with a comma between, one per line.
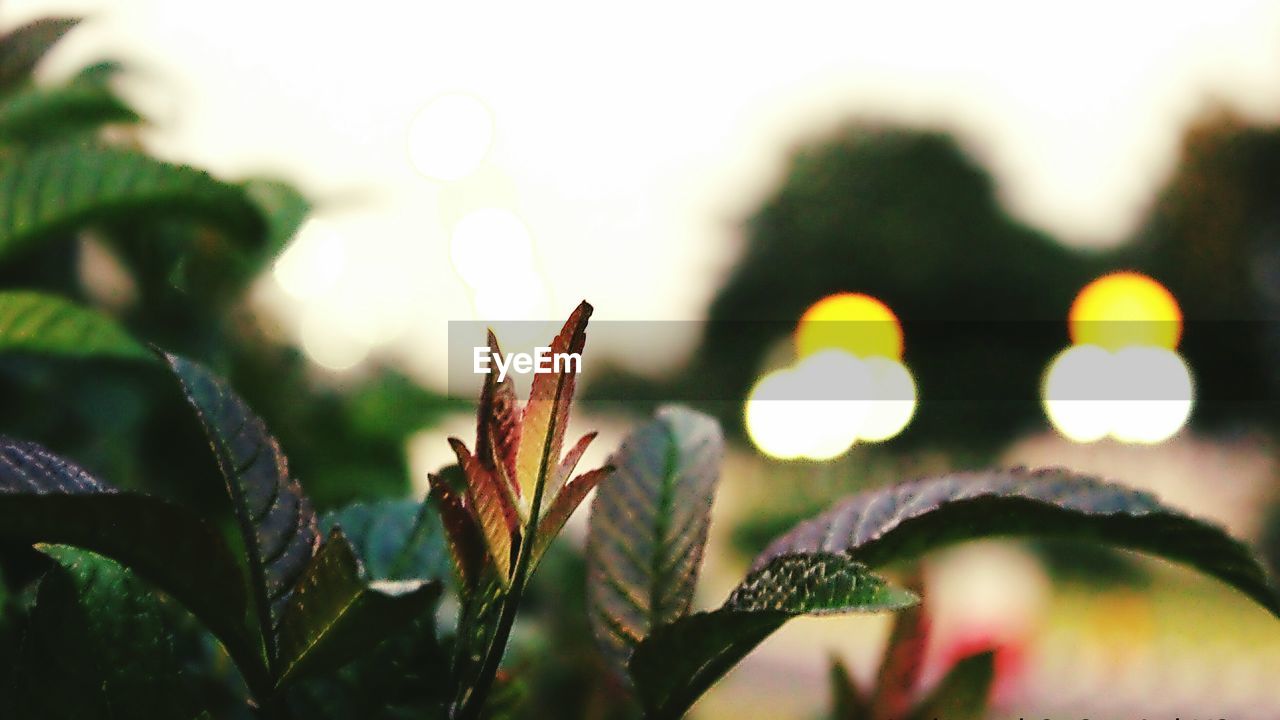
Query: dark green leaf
x=44, y=498
x=847, y=701
x=911, y=518
x=97, y=646
x=963, y=693
x=39, y=115
x=61, y=188
x=284, y=208
x=275, y=518
x=22, y=48
x=903, y=662
x=39, y=323
x=816, y=584
x=404, y=678
x=648, y=526
x=395, y=539
x=336, y=613
x=678, y=661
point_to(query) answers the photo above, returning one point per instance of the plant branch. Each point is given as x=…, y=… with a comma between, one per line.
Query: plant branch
x=474, y=702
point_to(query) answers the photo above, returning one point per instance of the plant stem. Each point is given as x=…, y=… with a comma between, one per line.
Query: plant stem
x=474, y=702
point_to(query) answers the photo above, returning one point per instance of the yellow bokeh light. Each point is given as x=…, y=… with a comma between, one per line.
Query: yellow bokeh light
x=853, y=322
x=1125, y=309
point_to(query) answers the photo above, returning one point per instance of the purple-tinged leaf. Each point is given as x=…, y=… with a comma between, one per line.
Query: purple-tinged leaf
x=648, y=527
x=275, y=518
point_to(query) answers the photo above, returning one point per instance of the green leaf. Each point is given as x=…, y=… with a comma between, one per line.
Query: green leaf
x=847, y=701
x=647, y=529
x=97, y=646
x=963, y=694
x=58, y=189
x=46, y=499
x=336, y=613
x=38, y=323
x=22, y=48
x=284, y=208
x=39, y=115
x=678, y=661
x=275, y=518
x=395, y=539
x=903, y=662
x=817, y=584
x=909, y=519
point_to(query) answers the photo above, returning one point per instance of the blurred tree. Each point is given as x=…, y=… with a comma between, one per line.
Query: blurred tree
x=1213, y=238
x=906, y=217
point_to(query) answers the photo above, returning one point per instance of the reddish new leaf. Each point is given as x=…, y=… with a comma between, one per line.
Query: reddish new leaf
x=546, y=414
x=563, y=506
x=565, y=470
x=498, y=425
x=493, y=509
x=466, y=545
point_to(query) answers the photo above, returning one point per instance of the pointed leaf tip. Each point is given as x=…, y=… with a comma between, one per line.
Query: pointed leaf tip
x=275, y=517
x=911, y=518
x=648, y=527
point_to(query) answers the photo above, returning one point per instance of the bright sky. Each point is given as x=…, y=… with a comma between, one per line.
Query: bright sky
x=627, y=141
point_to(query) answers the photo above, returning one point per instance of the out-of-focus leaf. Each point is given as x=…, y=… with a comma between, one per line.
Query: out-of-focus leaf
x=647, y=529
x=911, y=518
x=394, y=539
x=847, y=701
x=404, y=678
x=546, y=414
x=284, y=208
x=45, y=499
x=903, y=661
x=39, y=115
x=38, y=323
x=60, y=188
x=275, y=518
x=678, y=661
x=97, y=646
x=99, y=72
x=391, y=407
x=963, y=694
x=21, y=49
x=336, y=613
